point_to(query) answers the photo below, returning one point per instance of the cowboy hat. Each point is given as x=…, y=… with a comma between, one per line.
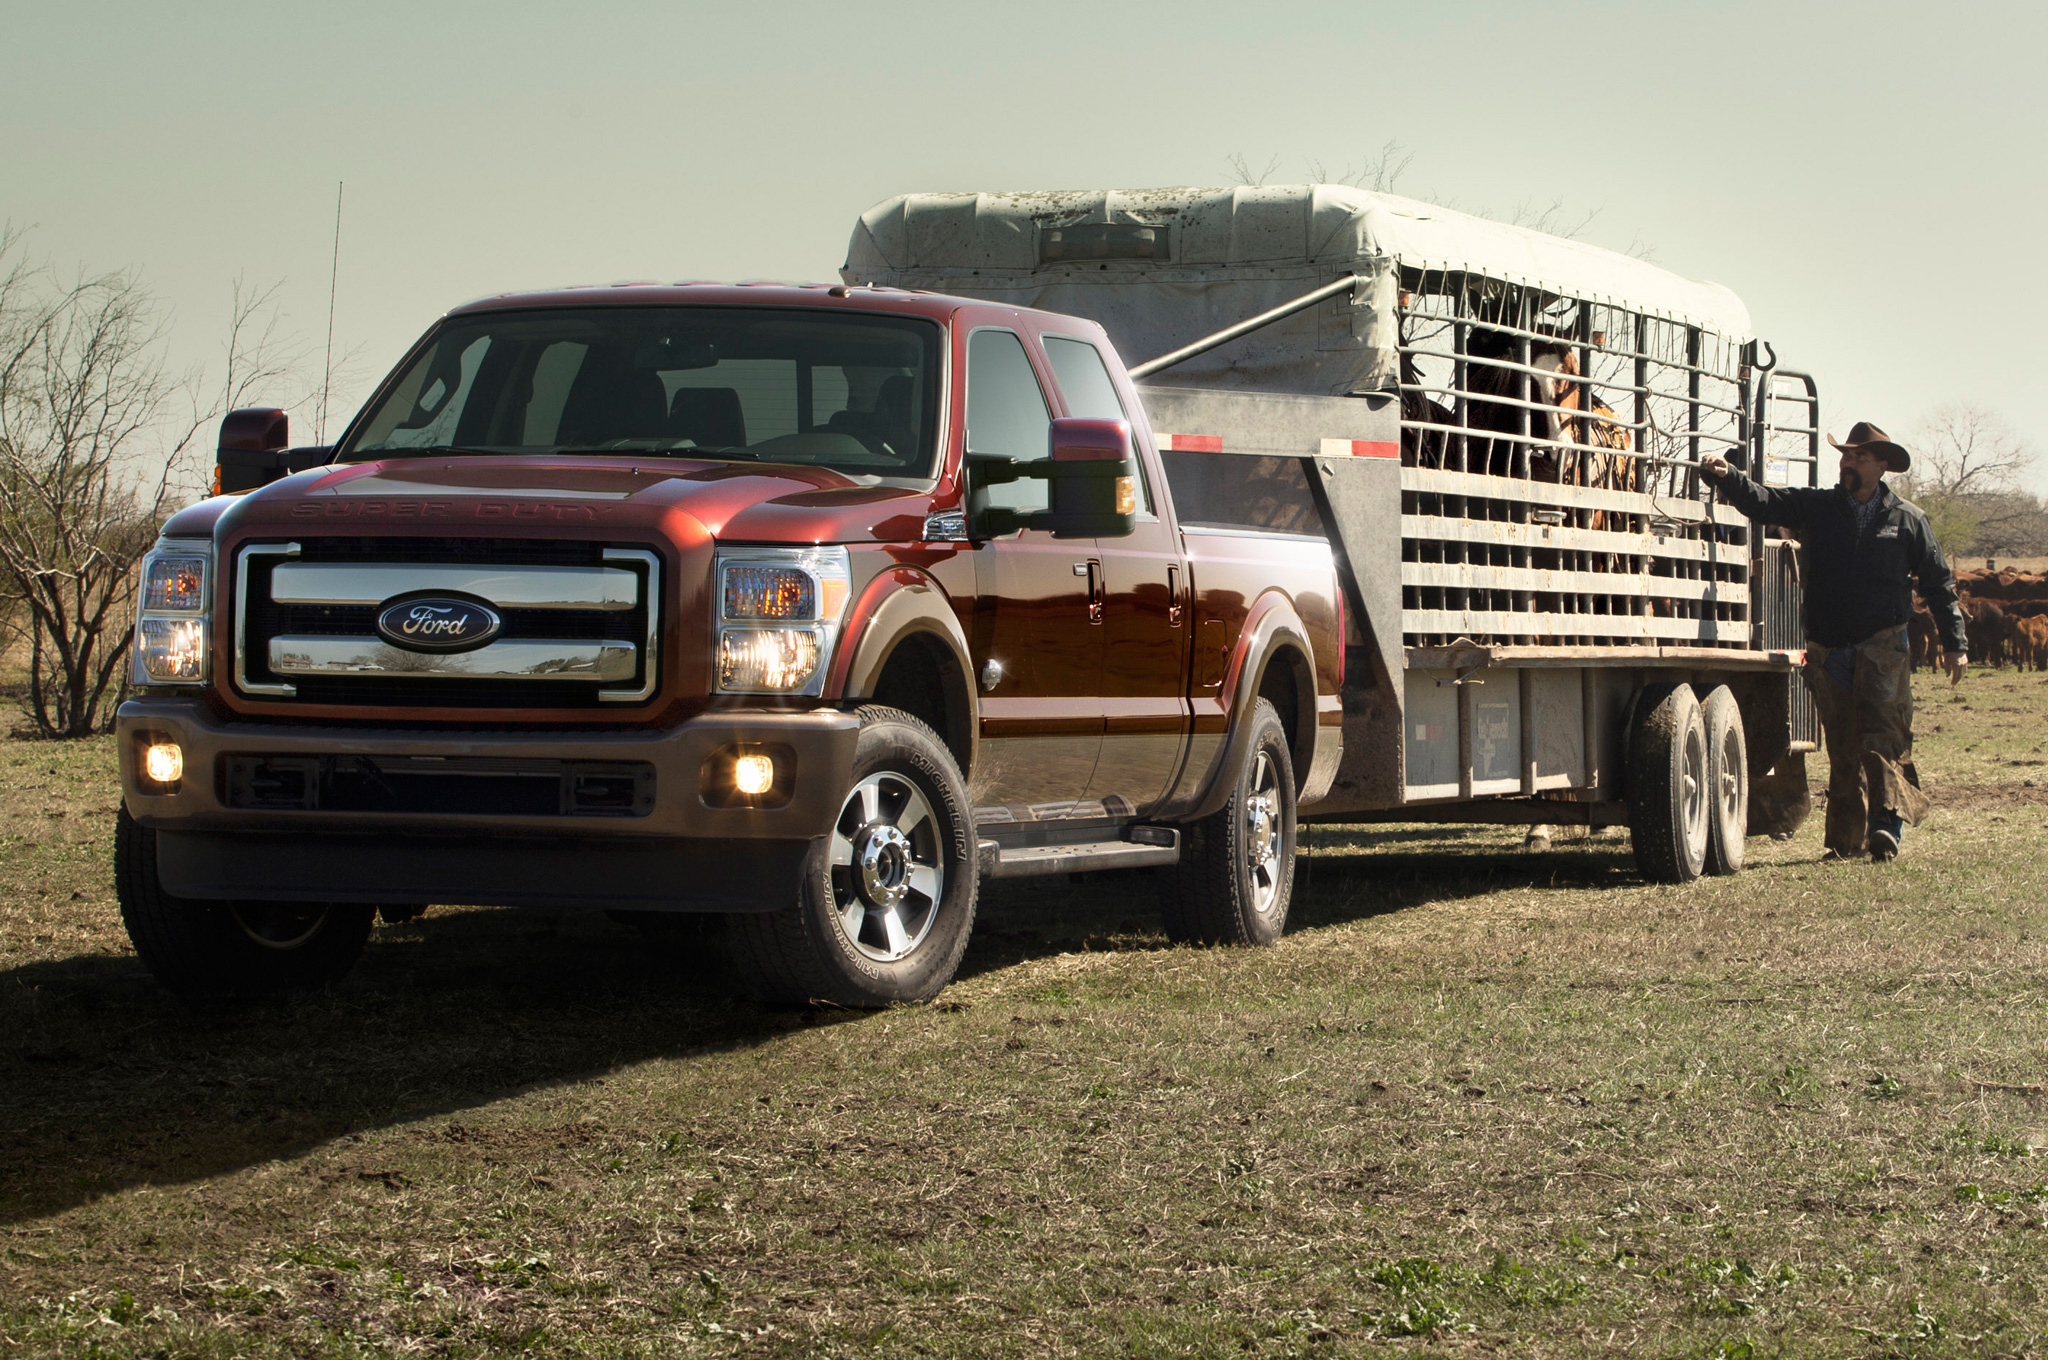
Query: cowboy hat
x=1865, y=437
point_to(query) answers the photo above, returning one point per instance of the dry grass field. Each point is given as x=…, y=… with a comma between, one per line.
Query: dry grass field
x=1477, y=1102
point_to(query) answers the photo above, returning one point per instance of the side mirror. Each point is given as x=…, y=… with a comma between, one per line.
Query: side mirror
x=252, y=445
x=1092, y=482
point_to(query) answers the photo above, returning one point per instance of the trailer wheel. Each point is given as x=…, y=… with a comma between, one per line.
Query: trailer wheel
x=1235, y=877
x=205, y=950
x=1668, y=784
x=888, y=895
x=1727, y=781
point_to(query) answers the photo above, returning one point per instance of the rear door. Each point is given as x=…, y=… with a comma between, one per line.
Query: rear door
x=1144, y=612
x=1038, y=642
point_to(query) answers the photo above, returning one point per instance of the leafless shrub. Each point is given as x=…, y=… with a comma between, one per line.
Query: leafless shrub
x=1380, y=173
x=94, y=436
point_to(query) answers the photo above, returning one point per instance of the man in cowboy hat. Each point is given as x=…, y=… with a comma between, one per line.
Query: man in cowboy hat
x=1863, y=550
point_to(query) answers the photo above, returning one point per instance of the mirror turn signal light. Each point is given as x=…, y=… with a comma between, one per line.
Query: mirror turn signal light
x=753, y=775
x=163, y=762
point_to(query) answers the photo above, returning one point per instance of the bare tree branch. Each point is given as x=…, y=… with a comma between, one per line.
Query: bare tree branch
x=1241, y=169
x=94, y=431
x=1968, y=466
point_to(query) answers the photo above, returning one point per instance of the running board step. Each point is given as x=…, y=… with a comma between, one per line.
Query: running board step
x=1161, y=845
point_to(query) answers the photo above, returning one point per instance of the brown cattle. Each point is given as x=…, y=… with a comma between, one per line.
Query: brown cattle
x=1989, y=631
x=1923, y=638
x=2030, y=643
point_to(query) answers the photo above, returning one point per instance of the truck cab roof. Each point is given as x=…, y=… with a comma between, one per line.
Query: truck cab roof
x=837, y=296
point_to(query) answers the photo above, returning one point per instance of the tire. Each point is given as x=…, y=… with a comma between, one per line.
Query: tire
x=887, y=898
x=1667, y=785
x=204, y=950
x=1235, y=879
x=1727, y=782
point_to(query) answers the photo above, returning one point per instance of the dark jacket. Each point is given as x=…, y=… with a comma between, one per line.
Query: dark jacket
x=1857, y=583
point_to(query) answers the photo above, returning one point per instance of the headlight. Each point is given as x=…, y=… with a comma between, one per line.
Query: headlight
x=171, y=618
x=779, y=613
x=172, y=650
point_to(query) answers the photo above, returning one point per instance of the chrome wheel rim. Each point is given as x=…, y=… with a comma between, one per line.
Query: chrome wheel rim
x=1263, y=832
x=1692, y=797
x=279, y=925
x=887, y=866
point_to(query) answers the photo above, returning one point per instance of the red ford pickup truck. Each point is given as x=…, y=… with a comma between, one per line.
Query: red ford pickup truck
x=807, y=607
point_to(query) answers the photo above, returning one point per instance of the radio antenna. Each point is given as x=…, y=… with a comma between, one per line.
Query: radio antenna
x=333, y=277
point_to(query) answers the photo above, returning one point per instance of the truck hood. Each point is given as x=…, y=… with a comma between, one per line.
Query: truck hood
x=745, y=501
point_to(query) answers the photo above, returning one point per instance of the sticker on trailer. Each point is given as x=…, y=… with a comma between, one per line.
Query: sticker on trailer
x=1188, y=443
x=1361, y=448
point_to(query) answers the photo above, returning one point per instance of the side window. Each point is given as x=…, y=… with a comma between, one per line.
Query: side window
x=1006, y=413
x=1085, y=383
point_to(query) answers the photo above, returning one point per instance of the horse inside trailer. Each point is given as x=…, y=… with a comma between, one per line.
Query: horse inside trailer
x=1498, y=433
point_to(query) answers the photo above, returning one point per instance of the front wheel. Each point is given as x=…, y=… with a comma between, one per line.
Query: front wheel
x=1235, y=878
x=888, y=895
x=229, y=950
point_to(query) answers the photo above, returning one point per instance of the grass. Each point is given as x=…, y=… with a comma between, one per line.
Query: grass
x=1478, y=1101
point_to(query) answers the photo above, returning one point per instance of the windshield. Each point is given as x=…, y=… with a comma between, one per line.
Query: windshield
x=854, y=392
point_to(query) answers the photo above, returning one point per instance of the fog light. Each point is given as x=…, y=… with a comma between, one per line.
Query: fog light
x=164, y=763
x=751, y=775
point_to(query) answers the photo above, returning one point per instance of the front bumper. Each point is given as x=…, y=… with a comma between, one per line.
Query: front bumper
x=677, y=849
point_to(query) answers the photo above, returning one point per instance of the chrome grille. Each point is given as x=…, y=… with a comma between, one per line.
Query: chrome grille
x=579, y=623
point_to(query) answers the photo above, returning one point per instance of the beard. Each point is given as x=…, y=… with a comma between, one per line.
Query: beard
x=1852, y=481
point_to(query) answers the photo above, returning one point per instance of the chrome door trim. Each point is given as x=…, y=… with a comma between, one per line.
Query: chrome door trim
x=241, y=639
x=511, y=587
x=506, y=659
x=650, y=670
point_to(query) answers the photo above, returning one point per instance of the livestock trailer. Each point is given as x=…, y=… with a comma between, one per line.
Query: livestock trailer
x=1550, y=616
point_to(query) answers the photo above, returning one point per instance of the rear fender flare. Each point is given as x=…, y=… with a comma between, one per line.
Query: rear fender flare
x=1271, y=626
x=900, y=603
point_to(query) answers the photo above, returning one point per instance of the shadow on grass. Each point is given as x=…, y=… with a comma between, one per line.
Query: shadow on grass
x=107, y=1082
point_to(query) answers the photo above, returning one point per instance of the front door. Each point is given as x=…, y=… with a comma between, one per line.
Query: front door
x=1144, y=612
x=1038, y=641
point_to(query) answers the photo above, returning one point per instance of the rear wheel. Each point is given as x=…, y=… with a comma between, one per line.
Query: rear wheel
x=1668, y=785
x=1727, y=782
x=223, y=950
x=888, y=896
x=1235, y=879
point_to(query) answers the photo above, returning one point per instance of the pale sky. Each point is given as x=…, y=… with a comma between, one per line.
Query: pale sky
x=1867, y=177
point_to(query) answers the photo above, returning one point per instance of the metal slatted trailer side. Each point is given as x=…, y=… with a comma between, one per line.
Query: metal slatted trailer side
x=1519, y=721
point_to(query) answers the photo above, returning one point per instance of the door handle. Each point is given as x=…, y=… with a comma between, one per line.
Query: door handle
x=1094, y=592
x=1173, y=597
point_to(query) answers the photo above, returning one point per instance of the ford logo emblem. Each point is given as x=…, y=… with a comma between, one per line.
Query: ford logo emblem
x=435, y=623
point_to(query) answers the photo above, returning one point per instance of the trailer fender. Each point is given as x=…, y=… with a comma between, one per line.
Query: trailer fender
x=1271, y=628
x=904, y=607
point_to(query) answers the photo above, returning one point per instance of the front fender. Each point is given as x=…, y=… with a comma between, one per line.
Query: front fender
x=902, y=602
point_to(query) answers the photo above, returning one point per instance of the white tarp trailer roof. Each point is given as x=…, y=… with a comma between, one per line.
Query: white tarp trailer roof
x=1167, y=267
